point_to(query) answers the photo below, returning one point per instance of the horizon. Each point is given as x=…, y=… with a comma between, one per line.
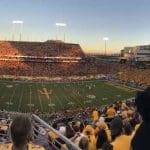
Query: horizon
x=85, y=22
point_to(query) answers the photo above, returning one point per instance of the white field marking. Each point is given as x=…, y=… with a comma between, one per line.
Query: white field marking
x=30, y=104
x=13, y=94
x=104, y=98
x=68, y=98
x=10, y=100
x=71, y=103
x=65, y=94
x=91, y=96
x=63, y=97
x=39, y=97
x=75, y=97
x=118, y=95
x=3, y=88
x=20, y=100
x=87, y=101
x=57, y=99
x=9, y=86
x=51, y=105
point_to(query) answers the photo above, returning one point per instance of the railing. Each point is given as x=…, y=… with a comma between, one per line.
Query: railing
x=40, y=132
x=40, y=123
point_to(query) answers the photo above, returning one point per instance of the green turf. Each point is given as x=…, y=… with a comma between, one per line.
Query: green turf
x=24, y=96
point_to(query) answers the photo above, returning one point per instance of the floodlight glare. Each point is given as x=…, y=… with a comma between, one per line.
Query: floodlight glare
x=61, y=24
x=105, y=38
x=17, y=22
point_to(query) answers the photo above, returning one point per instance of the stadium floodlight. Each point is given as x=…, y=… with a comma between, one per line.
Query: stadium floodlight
x=61, y=24
x=105, y=39
x=17, y=22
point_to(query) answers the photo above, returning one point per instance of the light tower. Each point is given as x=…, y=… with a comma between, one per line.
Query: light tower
x=16, y=23
x=105, y=39
x=60, y=25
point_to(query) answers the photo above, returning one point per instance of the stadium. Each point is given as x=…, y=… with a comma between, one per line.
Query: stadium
x=53, y=76
x=58, y=94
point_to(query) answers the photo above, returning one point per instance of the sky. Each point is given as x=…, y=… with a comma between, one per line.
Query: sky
x=124, y=22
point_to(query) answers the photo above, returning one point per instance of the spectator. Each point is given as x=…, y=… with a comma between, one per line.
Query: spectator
x=84, y=143
x=101, y=139
x=107, y=146
x=89, y=133
x=127, y=128
x=95, y=115
x=111, y=112
x=120, y=141
x=141, y=139
x=21, y=131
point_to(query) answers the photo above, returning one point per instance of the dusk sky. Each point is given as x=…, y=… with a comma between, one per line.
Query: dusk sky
x=125, y=22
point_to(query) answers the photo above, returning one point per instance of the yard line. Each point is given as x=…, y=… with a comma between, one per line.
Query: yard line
x=30, y=97
x=39, y=97
x=4, y=93
x=10, y=101
x=74, y=95
x=58, y=100
x=20, y=100
x=1, y=89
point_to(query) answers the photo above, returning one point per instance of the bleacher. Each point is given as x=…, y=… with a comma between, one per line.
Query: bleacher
x=50, y=59
x=40, y=49
x=48, y=134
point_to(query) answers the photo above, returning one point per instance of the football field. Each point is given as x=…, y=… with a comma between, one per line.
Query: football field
x=48, y=97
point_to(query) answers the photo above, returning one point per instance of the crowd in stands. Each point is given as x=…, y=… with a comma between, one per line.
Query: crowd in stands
x=122, y=72
x=44, y=49
x=134, y=75
x=119, y=126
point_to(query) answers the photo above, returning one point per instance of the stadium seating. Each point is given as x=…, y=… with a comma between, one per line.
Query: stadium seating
x=66, y=129
x=51, y=58
x=112, y=126
x=90, y=129
x=40, y=49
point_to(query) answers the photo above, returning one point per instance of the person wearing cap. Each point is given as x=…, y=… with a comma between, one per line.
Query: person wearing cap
x=21, y=130
x=141, y=140
x=119, y=140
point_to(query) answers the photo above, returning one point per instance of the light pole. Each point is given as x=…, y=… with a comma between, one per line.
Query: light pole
x=105, y=39
x=59, y=25
x=14, y=23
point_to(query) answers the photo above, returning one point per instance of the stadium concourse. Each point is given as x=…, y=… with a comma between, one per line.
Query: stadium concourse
x=115, y=126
